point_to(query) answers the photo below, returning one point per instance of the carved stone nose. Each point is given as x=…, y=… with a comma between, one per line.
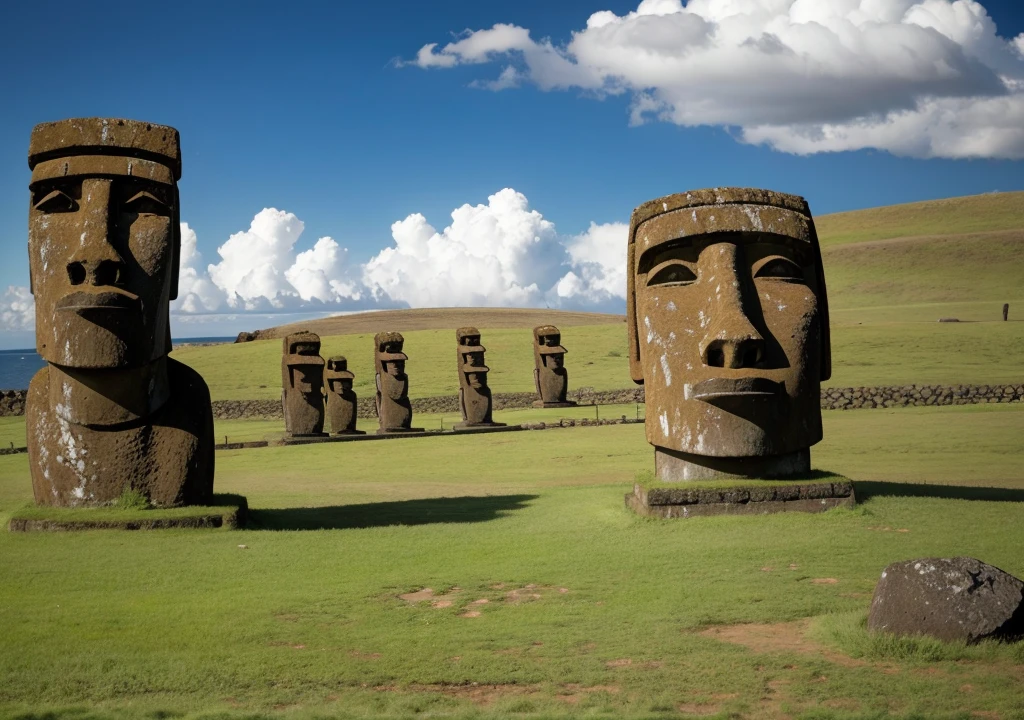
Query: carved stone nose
x=744, y=352
x=95, y=272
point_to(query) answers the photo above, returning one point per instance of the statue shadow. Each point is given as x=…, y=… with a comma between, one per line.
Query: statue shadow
x=383, y=514
x=869, y=489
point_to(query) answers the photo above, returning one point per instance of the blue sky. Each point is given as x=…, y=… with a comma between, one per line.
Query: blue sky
x=321, y=110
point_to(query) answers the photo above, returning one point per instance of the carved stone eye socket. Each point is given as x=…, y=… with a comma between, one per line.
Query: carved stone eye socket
x=779, y=268
x=56, y=201
x=672, y=273
x=144, y=203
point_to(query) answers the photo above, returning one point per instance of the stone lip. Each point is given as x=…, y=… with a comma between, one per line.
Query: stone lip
x=739, y=493
x=951, y=599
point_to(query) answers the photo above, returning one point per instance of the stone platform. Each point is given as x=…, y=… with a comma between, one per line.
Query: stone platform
x=225, y=511
x=688, y=500
x=464, y=429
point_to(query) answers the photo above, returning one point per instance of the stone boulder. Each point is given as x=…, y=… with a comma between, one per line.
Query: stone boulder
x=950, y=599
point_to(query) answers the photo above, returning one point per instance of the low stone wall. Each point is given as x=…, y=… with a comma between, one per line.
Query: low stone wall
x=12, y=402
x=907, y=395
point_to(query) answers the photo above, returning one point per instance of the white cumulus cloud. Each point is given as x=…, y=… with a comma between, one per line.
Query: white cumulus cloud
x=923, y=78
x=598, y=277
x=17, y=309
x=196, y=292
x=259, y=269
x=498, y=254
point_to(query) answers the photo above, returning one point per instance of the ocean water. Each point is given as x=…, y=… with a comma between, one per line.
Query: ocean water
x=18, y=366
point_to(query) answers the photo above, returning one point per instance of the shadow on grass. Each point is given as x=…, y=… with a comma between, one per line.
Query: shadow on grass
x=383, y=514
x=869, y=489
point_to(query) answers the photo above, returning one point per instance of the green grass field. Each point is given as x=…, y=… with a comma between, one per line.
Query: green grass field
x=547, y=597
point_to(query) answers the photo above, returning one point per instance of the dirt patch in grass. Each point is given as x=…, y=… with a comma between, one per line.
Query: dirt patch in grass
x=487, y=694
x=778, y=638
x=628, y=662
x=824, y=581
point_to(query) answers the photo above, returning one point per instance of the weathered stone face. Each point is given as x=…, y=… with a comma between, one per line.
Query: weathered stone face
x=110, y=412
x=728, y=322
x=302, y=377
x=103, y=241
x=394, y=411
x=341, y=399
x=474, y=395
x=550, y=376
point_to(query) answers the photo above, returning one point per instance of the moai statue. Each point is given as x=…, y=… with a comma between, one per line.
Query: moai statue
x=549, y=374
x=302, y=380
x=1006, y=311
x=341, y=399
x=474, y=395
x=728, y=332
x=110, y=412
x=394, y=411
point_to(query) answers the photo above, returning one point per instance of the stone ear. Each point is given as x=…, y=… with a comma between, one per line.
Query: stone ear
x=175, y=245
x=635, y=371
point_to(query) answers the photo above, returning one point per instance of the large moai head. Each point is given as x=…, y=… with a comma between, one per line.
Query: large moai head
x=472, y=370
x=302, y=375
x=728, y=322
x=104, y=240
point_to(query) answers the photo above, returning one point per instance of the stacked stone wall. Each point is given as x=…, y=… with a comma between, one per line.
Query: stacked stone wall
x=918, y=395
x=12, y=402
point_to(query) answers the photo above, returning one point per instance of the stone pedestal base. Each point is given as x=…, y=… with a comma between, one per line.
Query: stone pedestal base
x=399, y=431
x=786, y=496
x=542, y=404
x=348, y=433
x=479, y=427
x=675, y=466
x=221, y=511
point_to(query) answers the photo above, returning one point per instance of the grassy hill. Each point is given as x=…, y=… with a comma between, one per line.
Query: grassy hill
x=958, y=215
x=892, y=272
x=403, y=321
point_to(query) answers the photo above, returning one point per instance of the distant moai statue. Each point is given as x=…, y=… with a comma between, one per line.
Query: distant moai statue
x=394, y=411
x=1006, y=311
x=341, y=399
x=302, y=379
x=110, y=412
x=474, y=394
x=550, y=377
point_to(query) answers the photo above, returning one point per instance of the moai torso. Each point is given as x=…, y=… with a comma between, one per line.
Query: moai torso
x=728, y=331
x=302, y=378
x=550, y=376
x=394, y=411
x=474, y=394
x=341, y=399
x=110, y=412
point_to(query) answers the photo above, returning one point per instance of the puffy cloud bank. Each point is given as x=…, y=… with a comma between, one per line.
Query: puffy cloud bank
x=17, y=309
x=920, y=78
x=502, y=253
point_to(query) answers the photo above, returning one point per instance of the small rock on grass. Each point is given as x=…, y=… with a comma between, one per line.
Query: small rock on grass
x=950, y=599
